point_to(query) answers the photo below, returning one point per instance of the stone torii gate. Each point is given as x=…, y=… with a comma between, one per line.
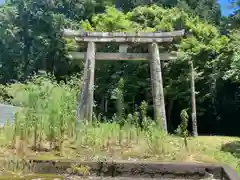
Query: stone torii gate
x=85, y=106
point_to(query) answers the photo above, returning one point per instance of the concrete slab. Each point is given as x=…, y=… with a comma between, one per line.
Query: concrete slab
x=126, y=170
x=7, y=113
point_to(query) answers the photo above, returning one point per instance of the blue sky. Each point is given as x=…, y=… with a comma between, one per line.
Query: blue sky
x=224, y=4
x=226, y=10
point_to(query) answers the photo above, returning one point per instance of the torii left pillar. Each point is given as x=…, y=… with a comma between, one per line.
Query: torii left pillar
x=86, y=100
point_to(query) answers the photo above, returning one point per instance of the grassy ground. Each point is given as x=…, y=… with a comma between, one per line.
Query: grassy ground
x=208, y=149
x=203, y=149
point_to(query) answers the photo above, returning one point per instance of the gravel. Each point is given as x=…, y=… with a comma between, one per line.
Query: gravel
x=132, y=178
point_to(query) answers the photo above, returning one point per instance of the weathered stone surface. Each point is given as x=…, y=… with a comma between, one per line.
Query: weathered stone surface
x=122, y=56
x=122, y=36
x=229, y=174
x=7, y=113
x=125, y=169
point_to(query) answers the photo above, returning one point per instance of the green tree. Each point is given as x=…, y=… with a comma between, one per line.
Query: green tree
x=36, y=31
x=208, y=10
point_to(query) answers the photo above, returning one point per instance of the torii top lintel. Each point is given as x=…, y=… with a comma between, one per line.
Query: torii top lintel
x=122, y=37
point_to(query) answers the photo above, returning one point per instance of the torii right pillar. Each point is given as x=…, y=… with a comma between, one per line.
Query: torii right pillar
x=157, y=86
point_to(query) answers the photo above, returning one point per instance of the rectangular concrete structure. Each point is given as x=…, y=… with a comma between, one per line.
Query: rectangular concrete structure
x=138, y=169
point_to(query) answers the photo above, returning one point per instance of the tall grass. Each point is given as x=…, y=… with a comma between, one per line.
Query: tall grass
x=46, y=121
x=47, y=113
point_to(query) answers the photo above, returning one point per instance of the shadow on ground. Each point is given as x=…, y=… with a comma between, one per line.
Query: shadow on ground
x=232, y=147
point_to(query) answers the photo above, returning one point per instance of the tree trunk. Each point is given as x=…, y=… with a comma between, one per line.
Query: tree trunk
x=102, y=104
x=194, y=114
x=157, y=86
x=118, y=4
x=106, y=105
x=169, y=111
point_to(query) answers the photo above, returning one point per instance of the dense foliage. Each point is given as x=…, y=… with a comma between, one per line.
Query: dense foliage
x=31, y=40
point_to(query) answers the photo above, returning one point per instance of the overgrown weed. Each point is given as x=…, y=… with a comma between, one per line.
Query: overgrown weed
x=45, y=128
x=46, y=121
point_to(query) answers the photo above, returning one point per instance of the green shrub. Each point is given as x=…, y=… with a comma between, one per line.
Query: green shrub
x=48, y=112
x=47, y=120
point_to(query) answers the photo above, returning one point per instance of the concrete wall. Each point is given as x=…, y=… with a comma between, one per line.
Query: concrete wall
x=7, y=113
